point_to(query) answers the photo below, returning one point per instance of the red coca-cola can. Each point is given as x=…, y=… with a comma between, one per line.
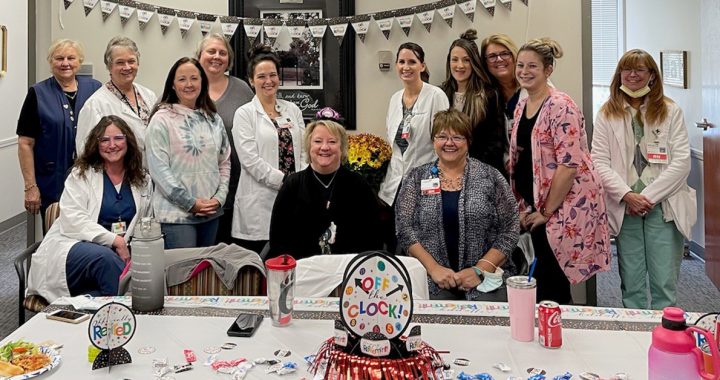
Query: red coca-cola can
x=549, y=324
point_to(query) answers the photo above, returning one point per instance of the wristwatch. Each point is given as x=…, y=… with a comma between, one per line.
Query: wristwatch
x=479, y=273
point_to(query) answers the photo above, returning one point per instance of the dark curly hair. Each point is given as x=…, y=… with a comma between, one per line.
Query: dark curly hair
x=91, y=159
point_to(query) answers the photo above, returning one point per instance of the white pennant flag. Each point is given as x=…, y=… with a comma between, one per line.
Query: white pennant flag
x=384, y=21
x=296, y=28
x=252, y=27
x=468, y=7
x=426, y=14
x=165, y=17
x=107, y=7
x=229, y=25
x=447, y=11
x=489, y=5
x=144, y=14
x=67, y=3
x=338, y=27
x=126, y=9
x=185, y=21
x=272, y=29
x=405, y=22
x=507, y=4
x=206, y=22
x=89, y=5
x=317, y=29
x=361, y=24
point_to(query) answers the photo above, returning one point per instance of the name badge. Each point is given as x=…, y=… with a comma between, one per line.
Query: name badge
x=118, y=228
x=430, y=186
x=657, y=153
x=284, y=122
x=407, y=123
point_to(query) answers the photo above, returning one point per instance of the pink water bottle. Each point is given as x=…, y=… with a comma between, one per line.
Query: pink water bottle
x=673, y=354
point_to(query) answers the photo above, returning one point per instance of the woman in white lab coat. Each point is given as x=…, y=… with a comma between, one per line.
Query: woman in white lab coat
x=106, y=193
x=120, y=96
x=267, y=133
x=641, y=151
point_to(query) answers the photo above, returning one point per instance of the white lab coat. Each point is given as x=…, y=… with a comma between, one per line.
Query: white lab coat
x=420, y=149
x=79, y=210
x=256, y=142
x=105, y=103
x=610, y=156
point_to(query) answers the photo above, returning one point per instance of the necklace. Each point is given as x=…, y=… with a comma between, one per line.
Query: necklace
x=323, y=183
x=71, y=97
x=450, y=184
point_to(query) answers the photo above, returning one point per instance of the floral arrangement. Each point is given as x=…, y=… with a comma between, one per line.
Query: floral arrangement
x=369, y=156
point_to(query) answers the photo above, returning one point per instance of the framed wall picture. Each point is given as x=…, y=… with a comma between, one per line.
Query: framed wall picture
x=313, y=76
x=673, y=66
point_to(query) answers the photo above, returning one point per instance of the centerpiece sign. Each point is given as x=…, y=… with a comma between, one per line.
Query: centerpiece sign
x=110, y=328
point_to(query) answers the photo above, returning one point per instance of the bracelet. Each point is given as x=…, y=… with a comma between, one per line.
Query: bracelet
x=544, y=212
x=30, y=187
x=490, y=262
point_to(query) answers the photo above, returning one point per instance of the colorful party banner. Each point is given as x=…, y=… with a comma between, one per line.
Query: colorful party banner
x=89, y=5
x=317, y=29
x=361, y=24
x=426, y=14
x=165, y=17
x=144, y=14
x=206, y=22
x=126, y=9
x=107, y=7
x=468, y=8
x=296, y=28
x=384, y=21
x=272, y=28
x=252, y=26
x=338, y=27
x=507, y=4
x=186, y=20
x=405, y=19
x=489, y=6
x=67, y=3
x=446, y=9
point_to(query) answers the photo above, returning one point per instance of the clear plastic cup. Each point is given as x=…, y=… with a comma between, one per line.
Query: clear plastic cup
x=281, y=288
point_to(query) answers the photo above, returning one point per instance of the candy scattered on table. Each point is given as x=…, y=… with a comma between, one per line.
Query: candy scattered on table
x=212, y=350
x=146, y=350
x=566, y=376
x=502, y=367
x=462, y=362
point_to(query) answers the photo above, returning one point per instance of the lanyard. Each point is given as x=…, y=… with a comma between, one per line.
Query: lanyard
x=127, y=101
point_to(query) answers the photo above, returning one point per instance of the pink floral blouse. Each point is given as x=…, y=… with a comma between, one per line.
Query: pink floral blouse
x=578, y=230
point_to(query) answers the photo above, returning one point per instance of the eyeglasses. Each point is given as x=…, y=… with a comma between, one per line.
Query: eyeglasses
x=457, y=139
x=105, y=140
x=494, y=57
x=639, y=71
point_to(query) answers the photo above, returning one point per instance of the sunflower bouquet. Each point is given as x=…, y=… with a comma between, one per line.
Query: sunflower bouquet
x=369, y=156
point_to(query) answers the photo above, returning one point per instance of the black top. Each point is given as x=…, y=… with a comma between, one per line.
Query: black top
x=511, y=104
x=489, y=142
x=301, y=214
x=29, y=119
x=451, y=226
x=523, y=167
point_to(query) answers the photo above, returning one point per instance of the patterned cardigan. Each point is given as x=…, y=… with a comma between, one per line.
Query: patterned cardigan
x=487, y=212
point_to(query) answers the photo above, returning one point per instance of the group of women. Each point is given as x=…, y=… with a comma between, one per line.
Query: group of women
x=492, y=154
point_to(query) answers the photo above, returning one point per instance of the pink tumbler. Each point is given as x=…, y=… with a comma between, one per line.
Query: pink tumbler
x=673, y=354
x=521, y=299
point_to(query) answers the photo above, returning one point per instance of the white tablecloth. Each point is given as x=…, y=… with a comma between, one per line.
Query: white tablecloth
x=599, y=351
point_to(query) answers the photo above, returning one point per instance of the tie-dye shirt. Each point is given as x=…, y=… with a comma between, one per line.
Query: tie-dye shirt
x=188, y=155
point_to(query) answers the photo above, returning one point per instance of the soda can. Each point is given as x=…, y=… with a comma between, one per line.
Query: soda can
x=549, y=324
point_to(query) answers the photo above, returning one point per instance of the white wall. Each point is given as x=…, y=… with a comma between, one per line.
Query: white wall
x=13, y=87
x=158, y=52
x=558, y=19
x=655, y=25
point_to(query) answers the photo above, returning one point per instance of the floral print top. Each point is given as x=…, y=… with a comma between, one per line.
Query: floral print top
x=578, y=230
x=286, y=152
x=143, y=110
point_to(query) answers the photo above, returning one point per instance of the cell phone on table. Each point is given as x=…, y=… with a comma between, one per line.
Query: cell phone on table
x=245, y=325
x=68, y=316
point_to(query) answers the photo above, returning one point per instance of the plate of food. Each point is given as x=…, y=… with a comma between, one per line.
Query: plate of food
x=20, y=360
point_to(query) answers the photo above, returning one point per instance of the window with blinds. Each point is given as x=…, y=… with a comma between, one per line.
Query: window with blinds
x=606, y=26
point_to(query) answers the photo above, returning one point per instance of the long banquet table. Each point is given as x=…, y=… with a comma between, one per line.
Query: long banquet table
x=604, y=341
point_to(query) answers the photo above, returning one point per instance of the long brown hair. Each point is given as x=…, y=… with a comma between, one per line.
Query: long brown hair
x=170, y=97
x=91, y=159
x=420, y=54
x=657, y=109
x=476, y=92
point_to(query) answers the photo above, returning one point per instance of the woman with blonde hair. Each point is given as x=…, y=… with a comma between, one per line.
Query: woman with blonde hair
x=641, y=150
x=499, y=53
x=558, y=191
x=469, y=89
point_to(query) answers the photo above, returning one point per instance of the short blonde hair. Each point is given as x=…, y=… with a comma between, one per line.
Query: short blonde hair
x=64, y=43
x=335, y=129
x=216, y=37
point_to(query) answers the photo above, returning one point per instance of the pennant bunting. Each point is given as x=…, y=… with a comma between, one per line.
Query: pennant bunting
x=126, y=9
x=507, y=4
x=426, y=14
x=186, y=20
x=107, y=7
x=489, y=6
x=405, y=19
x=361, y=24
x=272, y=28
x=296, y=28
x=206, y=22
x=384, y=21
x=317, y=29
x=525, y=2
x=89, y=5
x=165, y=17
x=468, y=7
x=144, y=14
x=252, y=26
x=446, y=9
x=338, y=27
x=67, y=3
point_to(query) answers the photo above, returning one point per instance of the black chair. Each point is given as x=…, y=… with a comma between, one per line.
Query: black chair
x=22, y=267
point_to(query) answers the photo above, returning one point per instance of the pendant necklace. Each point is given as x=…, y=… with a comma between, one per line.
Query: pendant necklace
x=327, y=204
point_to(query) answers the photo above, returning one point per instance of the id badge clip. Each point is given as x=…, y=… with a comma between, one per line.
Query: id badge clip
x=657, y=153
x=118, y=228
x=284, y=122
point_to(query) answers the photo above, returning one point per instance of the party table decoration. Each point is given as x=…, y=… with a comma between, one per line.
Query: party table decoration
x=376, y=308
x=110, y=328
x=369, y=156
